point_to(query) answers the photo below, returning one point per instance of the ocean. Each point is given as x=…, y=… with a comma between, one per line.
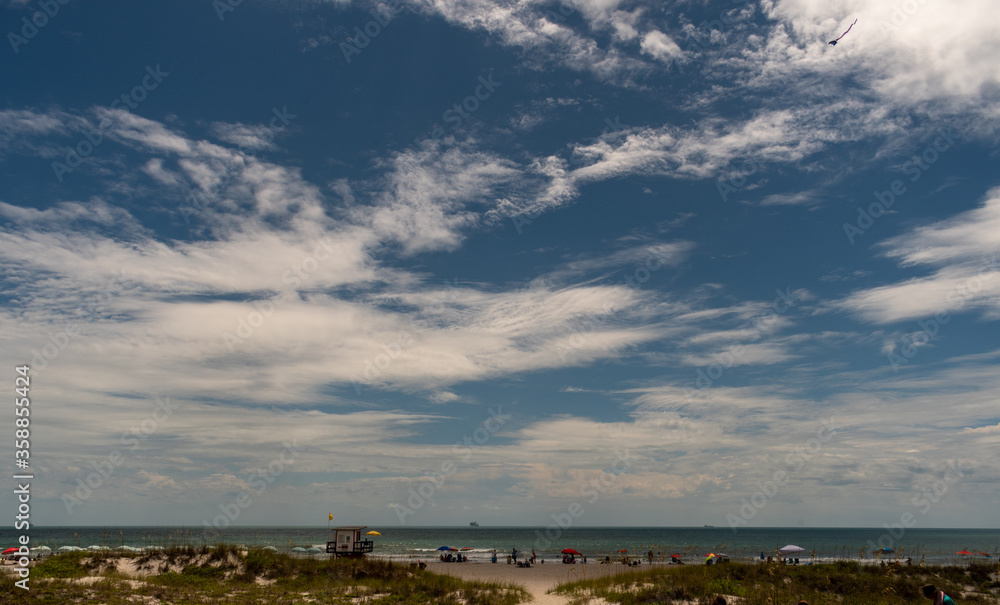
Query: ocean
x=931, y=546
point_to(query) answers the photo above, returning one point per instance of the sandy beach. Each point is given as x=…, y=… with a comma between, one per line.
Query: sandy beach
x=537, y=579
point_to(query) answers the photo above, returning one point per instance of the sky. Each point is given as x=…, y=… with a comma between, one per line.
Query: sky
x=427, y=262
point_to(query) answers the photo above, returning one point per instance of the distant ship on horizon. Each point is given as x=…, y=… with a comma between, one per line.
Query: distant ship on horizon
x=474, y=524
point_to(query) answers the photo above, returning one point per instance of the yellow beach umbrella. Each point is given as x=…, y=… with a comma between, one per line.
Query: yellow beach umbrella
x=372, y=533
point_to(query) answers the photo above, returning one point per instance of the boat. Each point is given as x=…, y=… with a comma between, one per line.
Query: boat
x=474, y=524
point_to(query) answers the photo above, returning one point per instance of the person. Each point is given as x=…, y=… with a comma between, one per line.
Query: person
x=936, y=595
x=649, y=555
x=719, y=600
x=508, y=559
x=513, y=553
x=494, y=559
x=532, y=555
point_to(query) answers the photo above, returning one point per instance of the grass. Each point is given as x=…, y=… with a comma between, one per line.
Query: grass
x=224, y=575
x=841, y=583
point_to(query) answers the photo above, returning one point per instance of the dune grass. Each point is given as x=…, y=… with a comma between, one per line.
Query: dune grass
x=226, y=575
x=841, y=583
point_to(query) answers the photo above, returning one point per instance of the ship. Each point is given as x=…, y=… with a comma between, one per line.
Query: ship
x=474, y=524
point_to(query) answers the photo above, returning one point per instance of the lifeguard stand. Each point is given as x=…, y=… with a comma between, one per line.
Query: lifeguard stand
x=349, y=542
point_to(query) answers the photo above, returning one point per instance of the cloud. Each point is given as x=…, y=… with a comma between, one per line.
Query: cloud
x=964, y=249
x=661, y=47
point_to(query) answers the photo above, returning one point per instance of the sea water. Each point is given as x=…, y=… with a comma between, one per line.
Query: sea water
x=931, y=546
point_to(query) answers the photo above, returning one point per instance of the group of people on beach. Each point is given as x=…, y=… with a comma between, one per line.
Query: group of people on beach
x=930, y=591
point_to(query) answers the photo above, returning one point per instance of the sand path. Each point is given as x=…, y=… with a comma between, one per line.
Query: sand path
x=537, y=579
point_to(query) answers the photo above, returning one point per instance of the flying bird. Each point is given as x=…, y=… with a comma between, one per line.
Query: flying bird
x=834, y=42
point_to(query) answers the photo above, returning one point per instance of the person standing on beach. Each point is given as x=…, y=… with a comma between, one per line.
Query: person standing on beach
x=936, y=595
x=513, y=554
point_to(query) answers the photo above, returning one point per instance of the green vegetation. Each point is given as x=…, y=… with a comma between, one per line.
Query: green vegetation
x=842, y=583
x=224, y=575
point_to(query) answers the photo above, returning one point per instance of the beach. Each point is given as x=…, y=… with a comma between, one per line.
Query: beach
x=537, y=579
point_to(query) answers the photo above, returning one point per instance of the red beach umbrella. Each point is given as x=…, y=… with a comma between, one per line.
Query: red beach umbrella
x=623, y=550
x=466, y=548
x=963, y=552
x=985, y=554
x=8, y=551
x=571, y=551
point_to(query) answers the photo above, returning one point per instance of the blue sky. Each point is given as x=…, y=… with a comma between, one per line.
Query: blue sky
x=261, y=255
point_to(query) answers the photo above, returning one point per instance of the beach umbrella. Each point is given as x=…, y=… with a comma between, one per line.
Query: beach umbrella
x=466, y=548
x=298, y=549
x=47, y=548
x=271, y=548
x=445, y=548
x=985, y=554
x=314, y=549
x=8, y=551
x=372, y=533
x=675, y=556
x=963, y=552
x=790, y=548
x=571, y=551
x=622, y=550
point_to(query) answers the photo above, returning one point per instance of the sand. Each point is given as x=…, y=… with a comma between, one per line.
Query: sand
x=537, y=579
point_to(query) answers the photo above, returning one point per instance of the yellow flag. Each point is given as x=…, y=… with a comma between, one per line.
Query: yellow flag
x=331, y=516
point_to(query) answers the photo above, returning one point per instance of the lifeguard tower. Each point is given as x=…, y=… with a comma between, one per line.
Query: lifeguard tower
x=349, y=542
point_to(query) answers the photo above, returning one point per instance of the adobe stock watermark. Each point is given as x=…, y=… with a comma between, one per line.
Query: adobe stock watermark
x=923, y=502
x=197, y=202
x=246, y=326
x=47, y=10
x=578, y=329
x=757, y=325
x=222, y=7
x=92, y=140
x=795, y=460
x=382, y=15
x=60, y=340
x=463, y=451
x=901, y=13
x=712, y=32
x=259, y=481
x=522, y=220
x=735, y=178
x=884, y=200
x=458, y=113
x=930, y=328
x=591, y=493
x=106, y=468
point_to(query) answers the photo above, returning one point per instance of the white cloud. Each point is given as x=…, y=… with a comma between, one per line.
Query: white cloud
x=661, y=46
x=965, y=249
